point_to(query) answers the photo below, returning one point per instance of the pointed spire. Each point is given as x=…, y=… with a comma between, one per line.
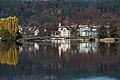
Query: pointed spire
x=60, y=24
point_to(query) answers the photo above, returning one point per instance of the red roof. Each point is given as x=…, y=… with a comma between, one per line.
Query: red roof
x=61, y=26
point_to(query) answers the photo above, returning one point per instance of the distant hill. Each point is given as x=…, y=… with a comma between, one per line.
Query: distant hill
x=48, y=13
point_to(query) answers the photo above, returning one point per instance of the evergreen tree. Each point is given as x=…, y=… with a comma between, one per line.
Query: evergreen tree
x=102, y=32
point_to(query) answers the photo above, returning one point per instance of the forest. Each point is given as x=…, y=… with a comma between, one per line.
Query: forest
x=47, y=14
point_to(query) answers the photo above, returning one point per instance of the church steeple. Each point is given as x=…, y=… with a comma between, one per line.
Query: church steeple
x=60, y=24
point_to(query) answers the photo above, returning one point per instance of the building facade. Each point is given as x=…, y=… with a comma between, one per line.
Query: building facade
x=88, y=31
x=64, y=31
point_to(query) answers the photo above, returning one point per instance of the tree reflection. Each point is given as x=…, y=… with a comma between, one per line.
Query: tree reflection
x=8, y=53
x=103, y=47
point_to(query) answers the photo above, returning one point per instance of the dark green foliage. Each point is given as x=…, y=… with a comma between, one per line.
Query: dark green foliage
x=113, y=32
x=74, y=31
x=102, y=32
x=41, y=33
x=18, y=35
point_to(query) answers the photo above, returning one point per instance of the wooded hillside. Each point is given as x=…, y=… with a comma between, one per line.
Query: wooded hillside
x=47, y=14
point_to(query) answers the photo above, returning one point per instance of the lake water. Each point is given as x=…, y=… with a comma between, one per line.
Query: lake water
x=60, y=60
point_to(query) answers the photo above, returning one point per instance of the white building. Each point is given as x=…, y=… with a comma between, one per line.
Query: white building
x=64, y=30
x=36, y=32
x=86, y=31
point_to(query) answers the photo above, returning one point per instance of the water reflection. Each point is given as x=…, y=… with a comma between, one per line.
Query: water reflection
x=65, y=60
x=63, y=45
x=88, y=47
x=8, y=53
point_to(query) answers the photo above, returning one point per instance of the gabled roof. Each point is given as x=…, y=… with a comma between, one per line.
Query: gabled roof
x=65, y=27
x=62, y=27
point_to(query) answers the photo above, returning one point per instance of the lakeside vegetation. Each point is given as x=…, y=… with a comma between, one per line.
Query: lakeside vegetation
x=8, y=28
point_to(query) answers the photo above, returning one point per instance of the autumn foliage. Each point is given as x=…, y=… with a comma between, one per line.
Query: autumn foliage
x=8, y=27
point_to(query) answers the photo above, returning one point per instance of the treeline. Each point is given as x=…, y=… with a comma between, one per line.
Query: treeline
x=47, y=14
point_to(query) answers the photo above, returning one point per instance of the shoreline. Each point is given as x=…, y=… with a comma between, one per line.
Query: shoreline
x=49, y=39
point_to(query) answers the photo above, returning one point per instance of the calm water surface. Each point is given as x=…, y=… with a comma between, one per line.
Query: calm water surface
x=60, y=60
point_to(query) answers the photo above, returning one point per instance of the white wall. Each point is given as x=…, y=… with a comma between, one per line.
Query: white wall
x=64, y=32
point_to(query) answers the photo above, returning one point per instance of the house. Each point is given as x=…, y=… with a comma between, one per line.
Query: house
x=88, y=31
x=29, y=31
x=63, y=31
x=36, y=32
